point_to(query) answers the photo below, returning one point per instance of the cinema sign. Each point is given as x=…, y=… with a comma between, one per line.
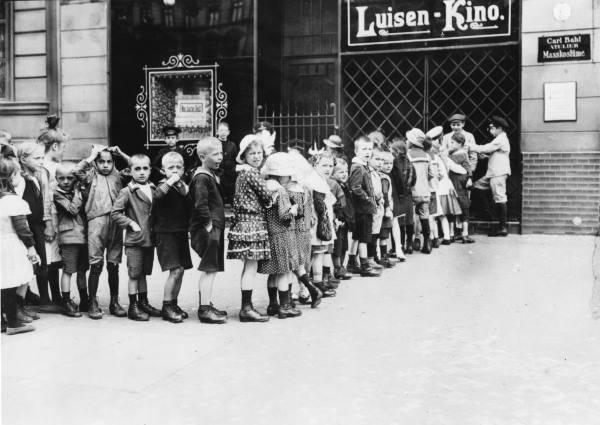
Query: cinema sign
x=389, y=22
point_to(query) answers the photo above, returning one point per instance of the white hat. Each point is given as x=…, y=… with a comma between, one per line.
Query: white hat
x=278, y=164
x=415, y=137
x=246, y=141
x=334, y=141
x=435, y=132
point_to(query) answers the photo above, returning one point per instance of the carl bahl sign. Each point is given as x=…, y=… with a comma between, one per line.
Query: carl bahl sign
x=564, y=47
x=387, y=22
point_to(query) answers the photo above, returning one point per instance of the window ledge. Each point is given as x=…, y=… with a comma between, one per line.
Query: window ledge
x=24, y=108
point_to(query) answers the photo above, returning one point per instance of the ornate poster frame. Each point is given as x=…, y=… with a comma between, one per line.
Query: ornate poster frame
x=178, y=66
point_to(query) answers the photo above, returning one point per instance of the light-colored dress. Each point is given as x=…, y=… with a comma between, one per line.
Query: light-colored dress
x=49, y=183
x=15, y=268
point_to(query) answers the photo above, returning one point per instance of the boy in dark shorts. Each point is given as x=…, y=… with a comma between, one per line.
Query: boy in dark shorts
x=207, y=226
x=71, y=238
x=363, y=198
x=461, y=182
x=172, y=204
x=344, y=212
x=131, y=211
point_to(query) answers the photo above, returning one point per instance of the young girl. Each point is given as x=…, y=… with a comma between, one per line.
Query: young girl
x=31, y=157
x=284, y=256
x=461, y=182
x=248, y=237
x=388, y=216
x=403, y=179
x=17, y=251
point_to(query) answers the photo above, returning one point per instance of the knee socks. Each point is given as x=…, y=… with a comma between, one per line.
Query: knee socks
x=9, y=303
x=94, y=278
x=113, y=278
x=54, y=282
x=410, y=233
x=425, y=228
x=402, y=235
x=272, y=295
x=41, y=279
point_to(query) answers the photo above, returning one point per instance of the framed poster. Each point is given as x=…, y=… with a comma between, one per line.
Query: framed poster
x=560, y=101
x=182, y=93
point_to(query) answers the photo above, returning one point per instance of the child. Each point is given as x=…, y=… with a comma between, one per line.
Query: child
x=461, y=182
x=388, y=215
x=335, y=146
x=16, y=245
x=285, y=255
x=171, y=134
x=344, y=214
x=207, y=224
x=226, y=172
x=102, y=184
x=421, y=192
x=171, y=212
x=375, y=164
x=248, y=237
x=31, y=158
x=457, y=124
x=54, y=141
x=403, y=179
x=71, y=237
x=131, y=211
x=322, y=231
x=363, y=199
x=435, y=210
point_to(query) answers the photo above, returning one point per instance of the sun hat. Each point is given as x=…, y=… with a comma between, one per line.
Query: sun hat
x=246, y=141
x=435, y=132
x=278, y=164
x=334, y=141
x=415, y=137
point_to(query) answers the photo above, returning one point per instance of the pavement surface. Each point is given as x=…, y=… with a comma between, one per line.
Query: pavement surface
x=499, y=332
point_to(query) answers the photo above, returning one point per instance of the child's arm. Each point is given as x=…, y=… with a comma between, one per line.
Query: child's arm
x=265, y=197
x=71, y=207
x=201, y=210
x=22, y=230
x=164, y=187
x=118, y=215
x=355, y=184
x=119, y=152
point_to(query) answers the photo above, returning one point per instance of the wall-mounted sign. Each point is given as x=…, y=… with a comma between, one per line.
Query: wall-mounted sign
x=560, y=101
x=564, y=47
x=387, y=23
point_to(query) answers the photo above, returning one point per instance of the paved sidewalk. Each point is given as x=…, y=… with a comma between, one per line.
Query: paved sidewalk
x=499, y=332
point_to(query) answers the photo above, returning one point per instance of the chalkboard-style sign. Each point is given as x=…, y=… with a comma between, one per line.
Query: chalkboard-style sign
x=564, y=47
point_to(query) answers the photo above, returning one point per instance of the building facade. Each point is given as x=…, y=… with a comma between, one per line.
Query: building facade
x=315, y=67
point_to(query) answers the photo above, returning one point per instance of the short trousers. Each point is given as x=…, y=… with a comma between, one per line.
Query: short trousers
x=363, y=228
x=421, y=208
x=74, y=258
x=340, y=245
x=104, y=234
x=465, y=214
x=173, y=250
x=210, y=246
x=139, y=261
x=496, y=184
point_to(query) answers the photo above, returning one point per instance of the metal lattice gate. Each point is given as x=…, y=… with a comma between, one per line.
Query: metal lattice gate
x=396, y=92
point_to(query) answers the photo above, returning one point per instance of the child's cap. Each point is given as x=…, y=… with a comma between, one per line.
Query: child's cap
x=415, y=137
x=435, y=132
x=171, y=130
x=457, y=118
x=497, y=121
x=334, y=141
x=246, y=141
x=278, y=164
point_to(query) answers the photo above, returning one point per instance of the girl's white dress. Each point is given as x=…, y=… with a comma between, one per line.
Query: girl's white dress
x=15, y=268
x=52, y=249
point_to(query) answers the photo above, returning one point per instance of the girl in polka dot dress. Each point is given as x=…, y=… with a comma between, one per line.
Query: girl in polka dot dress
x=248, y=236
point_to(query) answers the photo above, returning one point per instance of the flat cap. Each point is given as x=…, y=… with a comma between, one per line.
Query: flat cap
x=457, y=117
x=498, y=121
x=171, y=130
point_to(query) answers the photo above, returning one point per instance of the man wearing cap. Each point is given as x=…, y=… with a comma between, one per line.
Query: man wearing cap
x=171, y=138
x=334, y=145
x=457, y=124
x=498, y=170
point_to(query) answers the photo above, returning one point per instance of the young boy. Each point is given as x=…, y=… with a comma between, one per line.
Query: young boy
x=101, y=184
x=388, y=215
x=226, y=171
x=344, y=214
x=375, y=164
x=207, y=226
x=365, y=205
x=461, y=182
x=172, y=205
x=131, y=211
x=171, y=139
x=421, y=191
x=457, y=124
x=71, y=238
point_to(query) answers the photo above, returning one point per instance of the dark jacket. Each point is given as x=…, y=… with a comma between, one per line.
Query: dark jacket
x=340, y=199
x=361, y=188
x=71, y=221
x=171, y=208
x=190, y=162
x=349, y=205
x=133, y=206
x=226, y=171
x=207, y=201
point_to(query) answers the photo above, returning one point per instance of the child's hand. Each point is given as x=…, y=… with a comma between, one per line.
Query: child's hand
x=49, y=232
x=135, y=227
x=173, y=179
x=32, y=255
x=388, y=213
x=294, y=210
x=117, y=150
x=469, y=183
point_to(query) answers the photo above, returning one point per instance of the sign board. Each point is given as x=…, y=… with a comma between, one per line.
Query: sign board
x=371, y=25
x=564, y=47
x=560, y=101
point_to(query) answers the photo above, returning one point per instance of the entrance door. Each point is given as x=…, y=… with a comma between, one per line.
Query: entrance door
x=397, y=92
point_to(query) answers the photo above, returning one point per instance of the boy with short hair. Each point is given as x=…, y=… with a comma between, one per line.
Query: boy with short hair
x=363, y=198
x=388, y=215
x=171, y=134
x=131, y=211
x=101, y=184
x=344, y=212
x=207, y=226
x=170, y=229
x=461, y=182
x=375, y=164
x=71, y=237
x=457, y=124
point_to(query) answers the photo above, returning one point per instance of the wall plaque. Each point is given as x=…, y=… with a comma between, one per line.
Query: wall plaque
x=564, y=47
x=560, y=101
